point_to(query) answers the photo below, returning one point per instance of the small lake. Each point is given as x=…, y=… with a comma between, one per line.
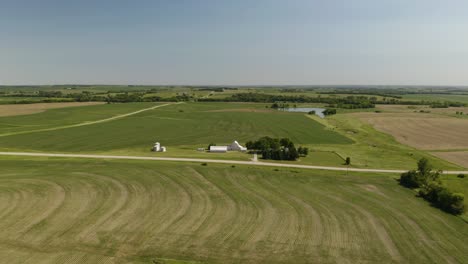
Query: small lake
x=318, y=111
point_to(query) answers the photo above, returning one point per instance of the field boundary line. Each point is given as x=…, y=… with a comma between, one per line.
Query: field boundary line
x=256, y=163
x=87, y=123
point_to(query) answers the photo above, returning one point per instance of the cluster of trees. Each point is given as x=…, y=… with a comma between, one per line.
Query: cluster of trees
x=430, y=188
x=277, y=149
x=329, y=111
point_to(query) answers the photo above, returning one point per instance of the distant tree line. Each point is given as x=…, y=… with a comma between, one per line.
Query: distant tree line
x=122, y=96
x=446, y=104
x=345, y=102
x=277, y=149
x=431, y=188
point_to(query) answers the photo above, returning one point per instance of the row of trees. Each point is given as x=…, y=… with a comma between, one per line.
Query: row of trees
x=277, y=149
x=446, y=104
x=343, y=102
x=430, y=188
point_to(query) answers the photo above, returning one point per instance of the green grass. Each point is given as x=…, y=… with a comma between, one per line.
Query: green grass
x=66, y=116
x=190, y=124
x=462, y=98
x=185, y=127
x=97, y=211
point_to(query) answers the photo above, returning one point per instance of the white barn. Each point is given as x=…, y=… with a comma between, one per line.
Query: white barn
x=235, y=146
x=218, y=148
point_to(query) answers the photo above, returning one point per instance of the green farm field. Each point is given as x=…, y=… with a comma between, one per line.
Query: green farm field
x=462, y=98
x=192, y=124
x=65, y=116
x=96, y=211
x=183, y=128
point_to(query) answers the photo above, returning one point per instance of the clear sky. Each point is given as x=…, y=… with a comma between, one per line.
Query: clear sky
x=237, y=42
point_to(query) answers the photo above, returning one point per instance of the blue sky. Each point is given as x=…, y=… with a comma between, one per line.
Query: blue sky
x=238, y=42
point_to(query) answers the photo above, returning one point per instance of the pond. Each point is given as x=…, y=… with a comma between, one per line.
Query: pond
x=318, y=111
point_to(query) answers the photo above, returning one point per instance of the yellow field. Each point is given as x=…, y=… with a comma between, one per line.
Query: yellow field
x=26, y=109
x=459, y=157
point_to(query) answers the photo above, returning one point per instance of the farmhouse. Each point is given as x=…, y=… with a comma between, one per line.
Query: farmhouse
x=235, y=146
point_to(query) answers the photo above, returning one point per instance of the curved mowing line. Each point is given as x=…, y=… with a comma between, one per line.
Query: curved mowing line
x=254, y=163
x=88, y=122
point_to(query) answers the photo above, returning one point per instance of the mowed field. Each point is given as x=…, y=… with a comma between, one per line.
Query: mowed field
x=90, y=211
x=173, y=125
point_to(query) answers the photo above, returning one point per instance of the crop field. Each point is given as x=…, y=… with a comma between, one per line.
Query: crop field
x=457, y=157
x=20, y=117
x=174, y=125
x=372, y=148
x=422, y=131
x=76, y=211
x=27, y=109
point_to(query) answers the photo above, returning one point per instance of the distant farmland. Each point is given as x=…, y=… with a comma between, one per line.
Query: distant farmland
x=27, y=109
x=175, y=125
x=76, y=211
x=422, y=131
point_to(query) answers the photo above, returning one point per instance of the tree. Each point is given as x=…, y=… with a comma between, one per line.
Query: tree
x=424, y=167
x=286, y=142
x=303, y=151
x=292, y=154
x=409, y=179
x=457, y=205
x=211, y=144
x=348, y=161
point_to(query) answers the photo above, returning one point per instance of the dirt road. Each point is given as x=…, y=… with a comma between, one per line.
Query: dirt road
x=252, y=163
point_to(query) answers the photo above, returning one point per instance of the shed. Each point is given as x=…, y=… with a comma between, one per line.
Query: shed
x=218, y=148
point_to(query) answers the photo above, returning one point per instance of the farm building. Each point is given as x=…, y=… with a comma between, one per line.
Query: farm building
x=158, y=148
x=218, y=148
x=235, y=146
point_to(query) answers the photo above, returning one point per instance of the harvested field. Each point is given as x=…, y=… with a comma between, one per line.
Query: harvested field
x=87, y=211
x=459, y=157
x=412, y=108
x=422, y=131
x=27, y=109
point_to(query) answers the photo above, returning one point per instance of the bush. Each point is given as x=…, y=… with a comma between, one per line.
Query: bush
x=348, y=161
x=410, y=179
x=461, y=175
